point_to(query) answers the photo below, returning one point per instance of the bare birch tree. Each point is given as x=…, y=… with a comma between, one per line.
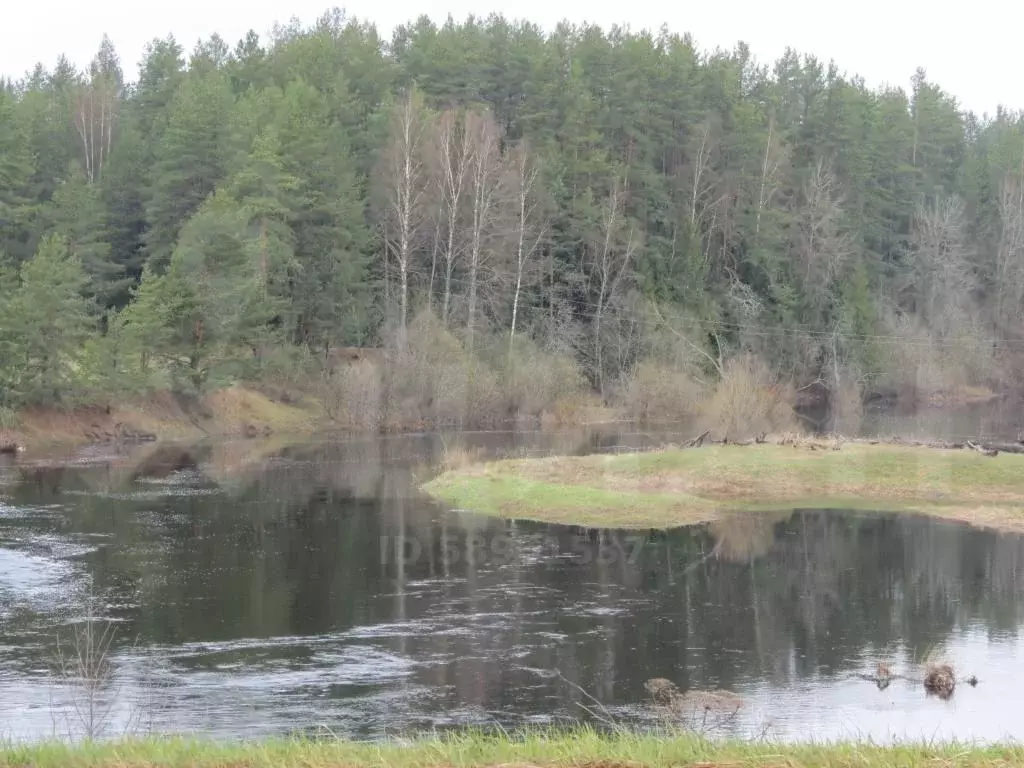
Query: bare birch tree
x=609, y=262
x=702, y=150
x=530, y=226
x=700, y=199
x=772, y=172
x=95, y=110
x=485, y=178
x=404, y=188
x=453, y=154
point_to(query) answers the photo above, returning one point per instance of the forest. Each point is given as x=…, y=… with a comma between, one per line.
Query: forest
x=505, y=218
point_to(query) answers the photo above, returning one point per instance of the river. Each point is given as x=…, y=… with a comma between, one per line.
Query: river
x=258, y=588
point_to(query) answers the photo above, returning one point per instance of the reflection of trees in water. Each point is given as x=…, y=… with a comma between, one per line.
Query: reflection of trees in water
x=291, y=546
x=744, y=537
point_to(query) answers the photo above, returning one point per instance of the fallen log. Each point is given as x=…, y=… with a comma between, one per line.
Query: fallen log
x=835, y=443
x=1003, y=447
x=990, y=452
x=698, y=441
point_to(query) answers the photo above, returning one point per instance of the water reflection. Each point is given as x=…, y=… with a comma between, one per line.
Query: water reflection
x=262, y=588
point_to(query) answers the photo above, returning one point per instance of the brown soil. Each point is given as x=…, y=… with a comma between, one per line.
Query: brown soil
x=235, y=412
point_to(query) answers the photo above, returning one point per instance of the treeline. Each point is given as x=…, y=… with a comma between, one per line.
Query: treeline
x=646, y=209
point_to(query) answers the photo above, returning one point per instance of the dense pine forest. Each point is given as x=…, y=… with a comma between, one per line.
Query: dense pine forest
x=508, y=216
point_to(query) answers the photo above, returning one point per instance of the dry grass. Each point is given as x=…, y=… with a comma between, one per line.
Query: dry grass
x=674, y=487
x=458, y=457
x=234, y=411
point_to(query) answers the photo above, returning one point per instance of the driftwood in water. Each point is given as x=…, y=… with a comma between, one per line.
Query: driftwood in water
x=761, y=439
x=1003, y=447
x=982, y=449
x=985, y=448
x=698, y=441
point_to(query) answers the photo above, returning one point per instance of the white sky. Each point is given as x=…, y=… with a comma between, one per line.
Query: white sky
x=972, y=50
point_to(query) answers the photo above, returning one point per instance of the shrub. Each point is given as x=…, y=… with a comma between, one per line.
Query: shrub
x=9, y=418
x=362, y=395
x=659, y=393
x=846, y=405
x=917, y=363
x=748, y=400
x=534, y=379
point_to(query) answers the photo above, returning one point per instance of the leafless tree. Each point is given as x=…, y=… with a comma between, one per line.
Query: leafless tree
x=822, y=246
x=942, y=273
x=610, y=259
x=452, y=151
x=1010, y=256
x=95, y=113
x=530, y=227
x=772, y=172
x=404, y=188
x=484, y=179
x=702, y=152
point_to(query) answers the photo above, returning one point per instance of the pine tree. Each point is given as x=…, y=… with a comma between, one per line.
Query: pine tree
x=123, y=190
x=189, y=161
x=50, y=319
x=329, y=289
x=16, y=171
x=77, y=214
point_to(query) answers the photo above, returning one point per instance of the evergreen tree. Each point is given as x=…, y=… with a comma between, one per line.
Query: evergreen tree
x=50, y=319
x=16, y=172
x=189, y=160
x=77, y=214
x=124, y=194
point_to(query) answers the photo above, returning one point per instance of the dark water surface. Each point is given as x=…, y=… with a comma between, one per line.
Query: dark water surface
x=259, y=590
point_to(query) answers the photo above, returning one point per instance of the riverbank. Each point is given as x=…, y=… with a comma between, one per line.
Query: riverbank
x=577, y=749
x=235, y=412
x=232, y=412
x=680, y=486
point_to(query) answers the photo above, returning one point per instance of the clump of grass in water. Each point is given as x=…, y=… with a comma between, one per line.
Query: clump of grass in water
x=940, y=680
x=701, y=712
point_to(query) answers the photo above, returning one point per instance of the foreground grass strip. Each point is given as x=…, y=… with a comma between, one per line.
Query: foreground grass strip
x=579, y=749
x=679, y=486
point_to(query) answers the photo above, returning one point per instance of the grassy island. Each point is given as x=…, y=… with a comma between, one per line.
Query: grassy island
x=679, y=486
x=584, y=749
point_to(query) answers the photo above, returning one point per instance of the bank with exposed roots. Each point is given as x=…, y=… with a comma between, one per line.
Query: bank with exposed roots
x=974, y=483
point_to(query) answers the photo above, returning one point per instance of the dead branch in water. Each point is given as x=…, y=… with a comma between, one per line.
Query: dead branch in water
x=698, y=441
x=835, y=443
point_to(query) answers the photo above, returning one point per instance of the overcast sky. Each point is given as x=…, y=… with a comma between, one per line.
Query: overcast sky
x=973, y=52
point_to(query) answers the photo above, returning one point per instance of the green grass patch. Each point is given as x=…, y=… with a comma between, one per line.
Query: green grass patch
x=681, y=486
x=582, y=748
